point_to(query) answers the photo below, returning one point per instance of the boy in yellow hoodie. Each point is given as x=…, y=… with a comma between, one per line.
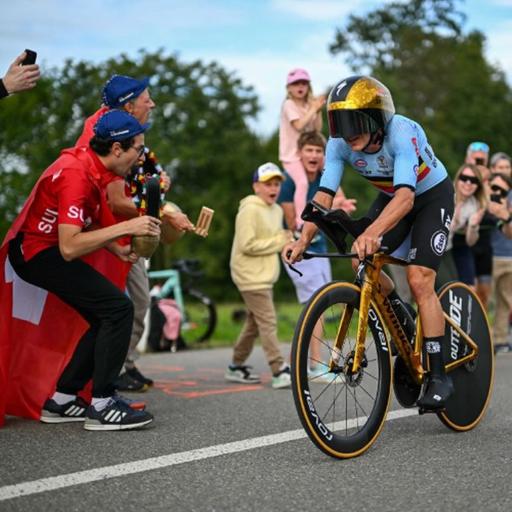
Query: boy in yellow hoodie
x=259, y=238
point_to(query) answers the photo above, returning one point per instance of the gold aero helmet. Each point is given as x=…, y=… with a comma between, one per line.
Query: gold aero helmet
x=357, y=105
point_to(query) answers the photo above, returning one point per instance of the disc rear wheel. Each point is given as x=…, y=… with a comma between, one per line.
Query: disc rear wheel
x=473, y=381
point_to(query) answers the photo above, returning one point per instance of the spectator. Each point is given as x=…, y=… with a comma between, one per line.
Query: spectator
x=259, y=237
x=501, y=163
x=45, y=249
x=470, y=204
x=482, y=249
x=316, y=272
x=18, y=77
x=501, y=206
x=133, y=96
x=301, y=112
x=477, y=153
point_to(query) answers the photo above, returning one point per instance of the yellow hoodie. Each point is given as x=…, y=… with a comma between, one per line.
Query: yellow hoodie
x=259, y=238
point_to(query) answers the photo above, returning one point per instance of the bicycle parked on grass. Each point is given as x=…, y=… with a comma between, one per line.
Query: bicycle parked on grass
x=198, y=311
x=343, y=410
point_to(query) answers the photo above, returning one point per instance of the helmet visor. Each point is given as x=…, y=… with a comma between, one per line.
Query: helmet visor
x=350, y=123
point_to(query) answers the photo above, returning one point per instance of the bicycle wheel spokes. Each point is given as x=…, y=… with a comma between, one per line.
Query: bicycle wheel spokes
x=341, y=411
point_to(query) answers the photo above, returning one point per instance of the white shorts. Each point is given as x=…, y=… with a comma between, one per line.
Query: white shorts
x=316, y=272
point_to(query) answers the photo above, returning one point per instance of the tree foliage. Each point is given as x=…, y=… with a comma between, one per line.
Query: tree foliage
x=438, y=75
x=199, y=133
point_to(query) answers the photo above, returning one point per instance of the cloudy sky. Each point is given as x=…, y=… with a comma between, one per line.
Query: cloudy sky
x=258, y=39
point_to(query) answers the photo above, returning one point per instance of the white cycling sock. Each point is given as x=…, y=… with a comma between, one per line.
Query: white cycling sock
x=62, y=398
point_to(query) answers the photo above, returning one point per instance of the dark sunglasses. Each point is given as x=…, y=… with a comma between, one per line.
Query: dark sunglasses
x=499, y=190
x=139, y=149
x=469, y=179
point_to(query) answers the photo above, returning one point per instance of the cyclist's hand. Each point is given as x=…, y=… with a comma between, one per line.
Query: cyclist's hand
x=293, y=251
x=366, y=244
x=144, y=225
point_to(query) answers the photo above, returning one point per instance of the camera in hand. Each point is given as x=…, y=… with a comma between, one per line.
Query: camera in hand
x=479, y=161
x=30, y=57
x=496, y=198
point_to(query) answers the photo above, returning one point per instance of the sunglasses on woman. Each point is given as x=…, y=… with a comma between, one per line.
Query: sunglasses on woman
x=469, y=179
x=499, y=190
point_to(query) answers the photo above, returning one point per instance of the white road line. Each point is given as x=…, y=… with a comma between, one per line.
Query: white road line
x=93, y=475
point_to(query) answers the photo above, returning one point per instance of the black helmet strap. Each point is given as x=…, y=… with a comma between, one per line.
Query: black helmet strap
x=376, y=137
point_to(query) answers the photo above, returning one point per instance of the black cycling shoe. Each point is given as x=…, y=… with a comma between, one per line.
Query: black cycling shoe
x=437, y=392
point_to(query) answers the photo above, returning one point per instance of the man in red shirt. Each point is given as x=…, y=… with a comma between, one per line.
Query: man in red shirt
x=66, y=218
x=133, y=96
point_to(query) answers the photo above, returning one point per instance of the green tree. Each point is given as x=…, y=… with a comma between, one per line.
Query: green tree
x=199, y=133
x=438, y=74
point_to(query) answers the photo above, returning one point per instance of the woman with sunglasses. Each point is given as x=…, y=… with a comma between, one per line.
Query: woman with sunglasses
x=470, y=205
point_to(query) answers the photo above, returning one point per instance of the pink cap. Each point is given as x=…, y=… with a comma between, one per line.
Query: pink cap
x=297, y=74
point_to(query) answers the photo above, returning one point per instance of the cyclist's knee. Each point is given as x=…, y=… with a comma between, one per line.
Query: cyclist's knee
x=421, y=281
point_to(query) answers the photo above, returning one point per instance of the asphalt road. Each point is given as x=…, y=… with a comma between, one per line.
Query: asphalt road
x=217, y=446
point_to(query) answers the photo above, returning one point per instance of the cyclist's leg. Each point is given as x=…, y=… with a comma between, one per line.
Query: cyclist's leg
x=432, y=213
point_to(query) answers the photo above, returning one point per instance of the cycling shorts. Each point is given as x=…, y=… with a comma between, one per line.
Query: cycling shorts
x=428, y=224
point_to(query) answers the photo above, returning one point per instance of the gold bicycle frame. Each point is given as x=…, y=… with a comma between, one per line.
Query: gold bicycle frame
x=371, y=294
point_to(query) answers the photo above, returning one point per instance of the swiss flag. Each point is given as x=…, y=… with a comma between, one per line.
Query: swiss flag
x=38, y=336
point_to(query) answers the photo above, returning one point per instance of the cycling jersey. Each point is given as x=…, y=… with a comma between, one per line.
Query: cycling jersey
x=405, y=159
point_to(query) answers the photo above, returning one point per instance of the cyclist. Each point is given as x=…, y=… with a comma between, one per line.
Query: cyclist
x=414, y=205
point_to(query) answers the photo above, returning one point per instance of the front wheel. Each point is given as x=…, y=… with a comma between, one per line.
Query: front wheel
x=200, y=317
x=342, y=412
x=473, y=381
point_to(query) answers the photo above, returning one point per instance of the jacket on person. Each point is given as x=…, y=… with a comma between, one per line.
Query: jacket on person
x=259, y=237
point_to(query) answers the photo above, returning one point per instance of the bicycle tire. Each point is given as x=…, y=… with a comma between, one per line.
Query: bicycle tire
x=200, y=316
x=369, y=392
x=473, y=381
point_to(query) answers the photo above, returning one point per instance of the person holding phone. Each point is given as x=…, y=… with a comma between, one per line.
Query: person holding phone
x=22, y=75
x=500, y=206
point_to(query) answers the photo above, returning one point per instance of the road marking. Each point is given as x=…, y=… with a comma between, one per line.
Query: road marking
x=93, y=475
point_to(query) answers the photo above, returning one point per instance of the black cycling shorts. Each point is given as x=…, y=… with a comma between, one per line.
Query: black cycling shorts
x=428, y=224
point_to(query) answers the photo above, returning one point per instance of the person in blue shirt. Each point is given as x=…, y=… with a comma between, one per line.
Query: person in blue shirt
x=414, y=205
x=316, y=272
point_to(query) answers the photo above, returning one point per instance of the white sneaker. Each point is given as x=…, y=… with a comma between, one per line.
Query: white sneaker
x=283, y=379
x=241, y=374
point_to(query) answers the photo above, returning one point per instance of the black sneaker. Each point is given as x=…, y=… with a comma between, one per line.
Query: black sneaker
x=117, y=415
x=437, y=392
x=126, y=382
x=134, y=373
x=75, y=410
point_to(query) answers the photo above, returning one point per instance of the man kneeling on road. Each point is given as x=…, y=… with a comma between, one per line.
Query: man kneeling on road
x=55, y=229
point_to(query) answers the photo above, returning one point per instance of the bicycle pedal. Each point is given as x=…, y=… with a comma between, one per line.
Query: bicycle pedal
x=429, y=410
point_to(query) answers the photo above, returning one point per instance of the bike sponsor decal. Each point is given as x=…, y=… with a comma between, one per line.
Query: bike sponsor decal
x=438, y=242
x=372, y=315
x=412, y=253
x=360, y=163
x=456, y=316
x=318, y=422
